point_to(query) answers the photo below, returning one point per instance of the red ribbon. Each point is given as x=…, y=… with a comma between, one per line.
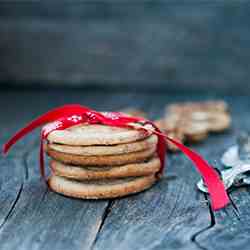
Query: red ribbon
x=70, y=115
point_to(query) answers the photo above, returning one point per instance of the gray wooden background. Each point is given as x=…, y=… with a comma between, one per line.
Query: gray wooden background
x=202, y=45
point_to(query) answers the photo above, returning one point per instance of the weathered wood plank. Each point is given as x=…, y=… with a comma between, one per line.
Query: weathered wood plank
x=158, y=45
x=10, y=187
x=168, y=216
x=13, y=168
x=44, y=220
x=48, y=220
x=229, y=231
x=40, y=218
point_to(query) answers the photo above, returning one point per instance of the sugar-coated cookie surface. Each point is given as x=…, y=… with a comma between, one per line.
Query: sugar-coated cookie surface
x=102, y=189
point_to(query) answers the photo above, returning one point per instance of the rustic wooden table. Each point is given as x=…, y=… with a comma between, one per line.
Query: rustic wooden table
x=171, y=215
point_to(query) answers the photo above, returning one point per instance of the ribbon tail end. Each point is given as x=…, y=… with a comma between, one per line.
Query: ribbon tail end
x=5, y=149
x=216, y=206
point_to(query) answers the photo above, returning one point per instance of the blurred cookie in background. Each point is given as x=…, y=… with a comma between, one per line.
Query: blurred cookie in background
x=193, y=121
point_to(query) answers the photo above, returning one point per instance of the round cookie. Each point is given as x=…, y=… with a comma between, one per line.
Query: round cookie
x=85, y=135
x=99, y=160
x=124, y=148
x=149, y=167
x=219, y=122
x=100, y=189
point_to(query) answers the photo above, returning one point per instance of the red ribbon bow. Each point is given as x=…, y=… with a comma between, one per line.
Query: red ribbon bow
x=70, y=115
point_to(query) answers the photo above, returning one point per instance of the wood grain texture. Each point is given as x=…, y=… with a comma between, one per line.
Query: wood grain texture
x=158, y=45
x=36, y=218
x=171, y=215
x=229, y=231
x=13, y=168
x=32, y=217
x=168, y=216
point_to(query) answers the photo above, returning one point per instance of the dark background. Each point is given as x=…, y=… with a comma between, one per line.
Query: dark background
x=127, y=45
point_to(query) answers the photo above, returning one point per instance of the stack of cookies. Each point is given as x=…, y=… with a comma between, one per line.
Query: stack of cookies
x=193, y=121
x=98, y=161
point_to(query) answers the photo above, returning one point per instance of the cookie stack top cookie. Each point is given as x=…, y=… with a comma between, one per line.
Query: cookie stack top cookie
x=86, y=134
